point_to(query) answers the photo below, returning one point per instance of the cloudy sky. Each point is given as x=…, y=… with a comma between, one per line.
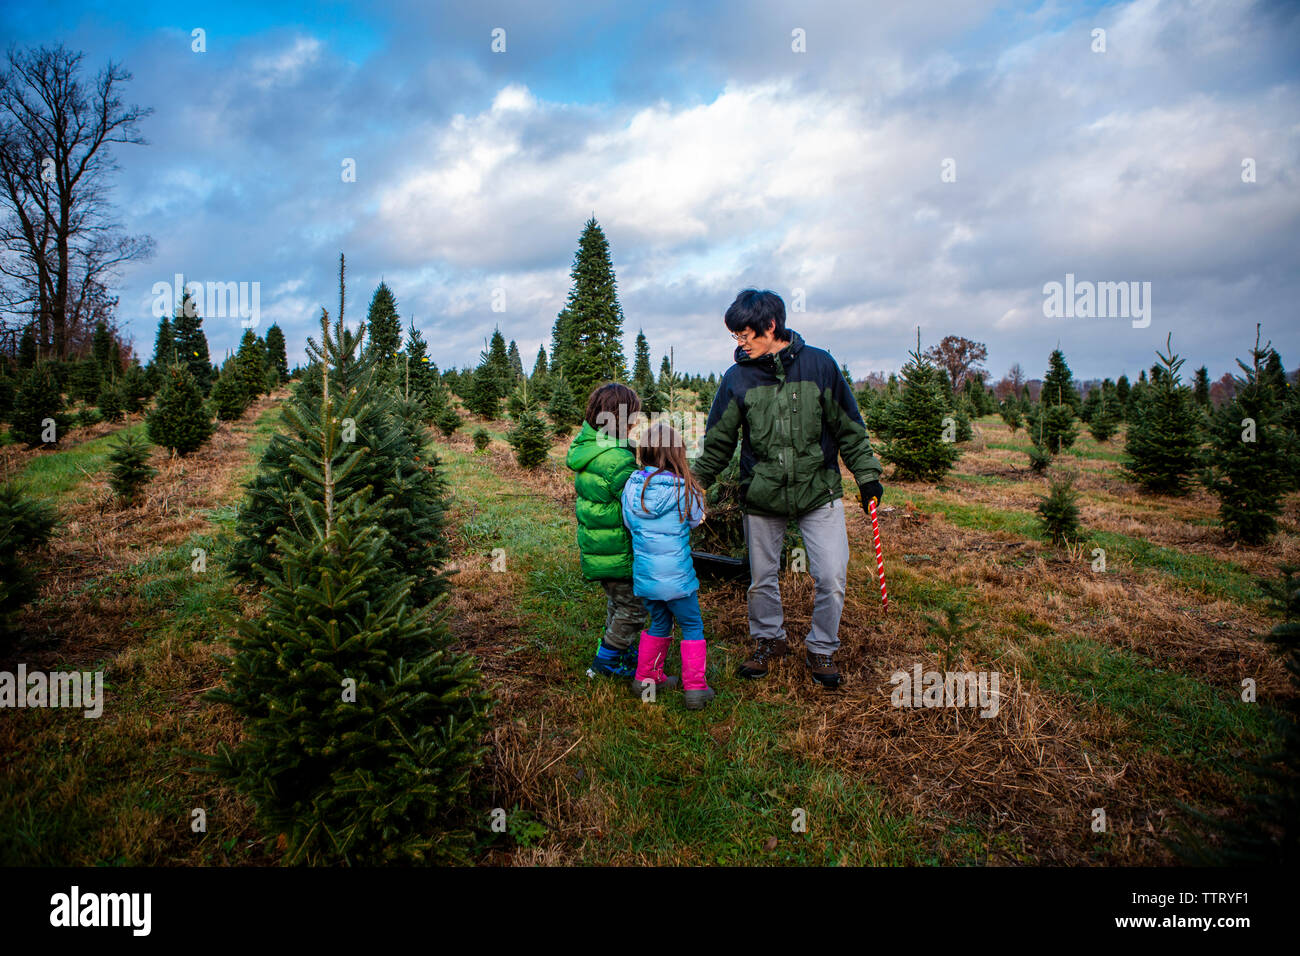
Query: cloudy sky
x=916, y=164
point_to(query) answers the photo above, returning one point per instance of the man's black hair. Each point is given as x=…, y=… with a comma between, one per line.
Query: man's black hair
x=757, y=310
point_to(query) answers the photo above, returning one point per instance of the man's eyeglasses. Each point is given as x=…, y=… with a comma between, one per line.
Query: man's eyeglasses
x=744, y=339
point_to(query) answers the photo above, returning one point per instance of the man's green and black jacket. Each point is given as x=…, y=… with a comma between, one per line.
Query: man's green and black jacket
x=794, y=414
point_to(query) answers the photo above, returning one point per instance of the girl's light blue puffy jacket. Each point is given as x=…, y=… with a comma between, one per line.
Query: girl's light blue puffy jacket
x=662, y=568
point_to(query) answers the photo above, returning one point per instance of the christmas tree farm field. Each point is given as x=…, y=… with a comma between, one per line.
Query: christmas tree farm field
x=118, y=591
x=1121, y=687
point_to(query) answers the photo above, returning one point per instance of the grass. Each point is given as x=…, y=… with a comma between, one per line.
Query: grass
x=680, y=797
x=1162, y=710
x=119, y=790
x=53, y=474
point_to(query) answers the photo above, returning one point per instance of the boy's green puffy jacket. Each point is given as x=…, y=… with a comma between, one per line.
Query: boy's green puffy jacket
x=603, y=466
x=794, y=416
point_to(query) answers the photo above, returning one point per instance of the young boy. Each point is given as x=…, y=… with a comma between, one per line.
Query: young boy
x=603, y=461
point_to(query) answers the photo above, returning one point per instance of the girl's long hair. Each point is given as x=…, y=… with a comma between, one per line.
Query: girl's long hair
x=660, y=447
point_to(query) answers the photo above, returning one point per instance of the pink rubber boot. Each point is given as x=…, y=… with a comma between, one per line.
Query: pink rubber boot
x=651, y=653
x=697, y=690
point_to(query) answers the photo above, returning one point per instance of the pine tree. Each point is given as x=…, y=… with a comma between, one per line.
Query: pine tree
x=1105, y=421
x=1122, y=393
x=1010, y=412
x=385, y=327
x=180, y=421
x=362, y=725
x=643, y=379
x=1251, y=462
x=250, y=367
x=540, y=381
x=191, y=344
x=276, y=356
x=1058, y=385
x=915, y=445
x=27, y=347
x=136, y=387
x=25, y=525
x=101, y=350
x=131, y=470
x=561, y=341
x=38, y=404
x=482, y=438
x=563, y=409
x=491, y=379
x=1163, y=446
x=529, y=437
x=1201, y=388
x=405, y=473
x=595, y=315
x=1058, y=513
x=421, y=373
x=448, y=420
x=111, y=401
x=229, y=394
x=516, y=362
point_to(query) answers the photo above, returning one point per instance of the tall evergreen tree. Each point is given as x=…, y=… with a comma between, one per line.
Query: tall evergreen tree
x=643, y=379
x=362, y=724
x=180, y=422
x=420, y=373
x=408, y=475
x=276, y=356
x=250, y=367
x=1251, y=462
x=191, y=344
x=230, y=394
x=915, y=446
x=596, y=316
x=1201, y=387
x=1163, y=446
x=1122, y=393
x=101, y=349
x=516, y=362
x=1058, y=385
x=385, y=326
x=562, y=342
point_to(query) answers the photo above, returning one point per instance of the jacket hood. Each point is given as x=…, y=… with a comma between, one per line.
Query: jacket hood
x=590, y=444
x=787, y=354
x=661, y=493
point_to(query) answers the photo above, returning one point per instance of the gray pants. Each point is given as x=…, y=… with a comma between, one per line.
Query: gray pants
x=625, y=614
x=827, y=543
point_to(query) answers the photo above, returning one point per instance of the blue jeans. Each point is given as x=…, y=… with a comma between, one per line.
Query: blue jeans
x=686, y=611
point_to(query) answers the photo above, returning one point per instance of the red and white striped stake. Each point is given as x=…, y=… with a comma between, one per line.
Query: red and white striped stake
x=880, y=557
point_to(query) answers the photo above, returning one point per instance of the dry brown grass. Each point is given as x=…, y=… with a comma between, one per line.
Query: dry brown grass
x=97, y=537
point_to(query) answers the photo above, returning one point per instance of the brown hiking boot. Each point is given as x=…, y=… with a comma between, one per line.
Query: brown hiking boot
x=822, y=669
x=756, y=664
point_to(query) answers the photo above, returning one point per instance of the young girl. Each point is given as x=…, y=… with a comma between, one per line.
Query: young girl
x=661, y=504
x=602, y=459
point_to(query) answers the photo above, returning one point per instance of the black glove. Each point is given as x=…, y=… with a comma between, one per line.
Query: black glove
x=872, y=489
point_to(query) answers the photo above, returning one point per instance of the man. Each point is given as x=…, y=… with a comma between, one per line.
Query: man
x=794, y=414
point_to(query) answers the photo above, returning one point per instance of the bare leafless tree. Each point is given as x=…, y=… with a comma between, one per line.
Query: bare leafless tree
x=59, y=243
x=960, y=356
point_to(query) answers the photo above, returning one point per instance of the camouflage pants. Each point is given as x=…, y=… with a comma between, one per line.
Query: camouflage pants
x=624, y=614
